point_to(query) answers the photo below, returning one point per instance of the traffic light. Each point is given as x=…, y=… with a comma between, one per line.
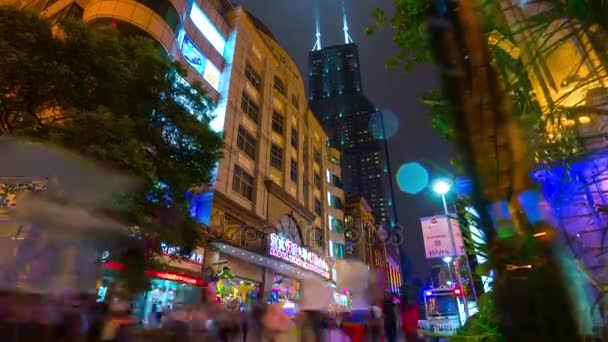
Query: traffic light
x=457, y=291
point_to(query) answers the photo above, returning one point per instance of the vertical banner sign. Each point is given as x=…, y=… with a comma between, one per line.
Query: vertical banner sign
x=437, y=242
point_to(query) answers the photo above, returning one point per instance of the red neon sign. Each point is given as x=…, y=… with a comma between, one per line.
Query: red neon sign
x=177, y=277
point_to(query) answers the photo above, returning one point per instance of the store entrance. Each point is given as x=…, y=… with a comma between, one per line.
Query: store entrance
x=163, y=297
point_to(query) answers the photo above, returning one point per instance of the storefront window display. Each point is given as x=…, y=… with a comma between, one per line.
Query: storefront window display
x=234, y=292
x=285, y=291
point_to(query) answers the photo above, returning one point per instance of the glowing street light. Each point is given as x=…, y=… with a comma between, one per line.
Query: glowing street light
x=447, y=259
x=442, y=187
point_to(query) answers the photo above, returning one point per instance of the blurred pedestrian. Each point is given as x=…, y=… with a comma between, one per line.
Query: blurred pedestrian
x=269, y=323
x=119, y=326
x=390, y=319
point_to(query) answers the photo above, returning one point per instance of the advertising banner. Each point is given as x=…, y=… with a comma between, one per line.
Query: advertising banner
x=437, y=242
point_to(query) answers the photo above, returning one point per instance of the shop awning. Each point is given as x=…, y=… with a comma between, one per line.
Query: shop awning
x=276, y=265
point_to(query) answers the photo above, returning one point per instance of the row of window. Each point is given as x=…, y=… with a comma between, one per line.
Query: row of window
x=256, y=81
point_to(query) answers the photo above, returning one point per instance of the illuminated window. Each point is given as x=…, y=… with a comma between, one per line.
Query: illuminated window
x=207, y=28
x=200, y=63
x=246, y=142
x=276, y=157
x=242, y=183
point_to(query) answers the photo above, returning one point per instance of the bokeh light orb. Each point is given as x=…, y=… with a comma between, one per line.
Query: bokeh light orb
x=386, y=119
x=412, y=178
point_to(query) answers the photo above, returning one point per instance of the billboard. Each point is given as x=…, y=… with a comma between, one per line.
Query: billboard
x=436, y=236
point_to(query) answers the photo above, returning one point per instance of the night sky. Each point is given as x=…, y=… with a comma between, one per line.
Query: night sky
x=293, y=24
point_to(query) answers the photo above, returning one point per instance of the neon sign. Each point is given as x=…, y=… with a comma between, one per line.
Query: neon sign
x=284, y=249
x=194, y=258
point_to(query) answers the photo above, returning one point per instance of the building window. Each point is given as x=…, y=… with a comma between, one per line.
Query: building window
x=294, y=170
x=249, y=107
x=319, y=238
x=318, y=209
x=295, y=102
x=277, y=122
x=253, y=77
x=338, y=250
x=246, y=142
x=276, y=157
x=335, y=161
x=294, y=138
x=279, y=86
x=334, y=201
x=317, y=156
x=317, y=180
x=242, y=182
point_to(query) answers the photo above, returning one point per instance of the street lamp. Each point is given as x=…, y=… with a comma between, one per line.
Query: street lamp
x=442, y=187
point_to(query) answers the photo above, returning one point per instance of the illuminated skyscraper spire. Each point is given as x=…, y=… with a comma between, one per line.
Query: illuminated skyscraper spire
x=318, y=28
x=347, y=38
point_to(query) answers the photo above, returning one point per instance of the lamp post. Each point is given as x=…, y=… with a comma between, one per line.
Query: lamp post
x=441, y=188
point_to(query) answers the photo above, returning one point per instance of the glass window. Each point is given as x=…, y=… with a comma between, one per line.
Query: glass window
x=294, y=170
x=249, y=107
x=277, y=122
x=242, y=183
x=276, y=157
x=279, y=86
x=335, y=202
x=294, y=138
x=207, y=28
x=317, y=156
x=253, y=77
x=200, y=63
x=246, y=142
x=318, y=208
x=295, y=102
x=317, y=180
x=338, y=250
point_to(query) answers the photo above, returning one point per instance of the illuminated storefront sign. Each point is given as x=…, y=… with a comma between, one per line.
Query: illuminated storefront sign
x=195, y=258
x=284, y=249
x=200, y=63
x=176, y=277
x=207, y=28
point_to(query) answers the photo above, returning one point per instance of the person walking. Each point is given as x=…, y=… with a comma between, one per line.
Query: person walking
x=390, y=320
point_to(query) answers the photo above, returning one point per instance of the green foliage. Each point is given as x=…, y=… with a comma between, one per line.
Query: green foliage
x=483, y=326
x=117, y=99
x=410, y=34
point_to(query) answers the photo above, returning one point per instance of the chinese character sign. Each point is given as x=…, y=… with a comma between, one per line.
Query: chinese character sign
x=284, y=249
x=435, y=233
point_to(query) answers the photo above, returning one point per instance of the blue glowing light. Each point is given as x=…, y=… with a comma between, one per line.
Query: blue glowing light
x=207, y=28
x=428, y=293
x=412, y=178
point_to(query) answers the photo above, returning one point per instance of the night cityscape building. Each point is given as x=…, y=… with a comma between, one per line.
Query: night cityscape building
x=353, y=124
x=277, y=195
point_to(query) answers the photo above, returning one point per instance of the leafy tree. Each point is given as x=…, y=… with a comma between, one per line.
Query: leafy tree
x=118, y=99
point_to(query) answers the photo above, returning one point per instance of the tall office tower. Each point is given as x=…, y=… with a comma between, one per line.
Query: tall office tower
x=353, y=124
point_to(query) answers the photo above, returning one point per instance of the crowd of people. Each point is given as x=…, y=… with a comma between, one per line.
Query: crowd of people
x=263, y=322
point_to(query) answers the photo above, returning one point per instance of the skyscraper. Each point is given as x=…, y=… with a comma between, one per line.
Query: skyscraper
x=353, y=124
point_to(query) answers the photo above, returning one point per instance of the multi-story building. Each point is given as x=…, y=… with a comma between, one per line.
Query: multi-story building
x=273, y=215
x=354, y=126
x=366, y=241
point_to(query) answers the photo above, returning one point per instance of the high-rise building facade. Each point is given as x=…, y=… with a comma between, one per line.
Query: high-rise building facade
x=274, y=214
x=354, y=126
